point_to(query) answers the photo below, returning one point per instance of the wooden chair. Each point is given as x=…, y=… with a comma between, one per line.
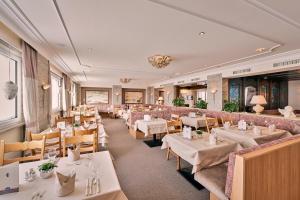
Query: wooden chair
x=53, y=140
x=87, y=119
x=68, y=120
x=78, y=140
x=174, y=126
x=21, y=146
x=88, y=132
x=227, y=119
x=177, y=128
x=211, y=123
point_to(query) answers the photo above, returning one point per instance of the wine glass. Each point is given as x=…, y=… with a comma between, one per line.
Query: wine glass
x=51, y=154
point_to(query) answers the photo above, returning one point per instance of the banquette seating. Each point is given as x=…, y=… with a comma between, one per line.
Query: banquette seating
x=268, y=171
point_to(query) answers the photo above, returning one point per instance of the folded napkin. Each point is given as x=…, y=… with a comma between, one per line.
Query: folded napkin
x=74, y=155
x=64, y=184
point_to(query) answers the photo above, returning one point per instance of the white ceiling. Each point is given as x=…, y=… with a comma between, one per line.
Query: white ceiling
x=115, y=37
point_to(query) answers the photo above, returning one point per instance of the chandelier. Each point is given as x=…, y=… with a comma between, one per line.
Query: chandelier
x=125, y=80
x=159, y=61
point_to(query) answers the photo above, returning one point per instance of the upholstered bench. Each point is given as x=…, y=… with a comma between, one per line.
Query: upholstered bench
x=260, y=172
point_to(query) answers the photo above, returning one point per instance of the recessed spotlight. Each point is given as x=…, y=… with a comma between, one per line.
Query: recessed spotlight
x=259, y=50
x=202, y=33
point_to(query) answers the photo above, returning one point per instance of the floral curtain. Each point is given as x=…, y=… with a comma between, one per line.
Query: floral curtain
x=30, y=89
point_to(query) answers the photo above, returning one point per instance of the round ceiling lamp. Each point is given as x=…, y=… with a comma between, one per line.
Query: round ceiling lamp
x=125, y=80
x=159, y=61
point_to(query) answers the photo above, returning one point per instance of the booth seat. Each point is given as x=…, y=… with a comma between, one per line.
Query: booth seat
x=267, y=171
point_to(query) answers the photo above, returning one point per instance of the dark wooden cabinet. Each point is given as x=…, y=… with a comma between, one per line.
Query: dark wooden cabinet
x=274, y=90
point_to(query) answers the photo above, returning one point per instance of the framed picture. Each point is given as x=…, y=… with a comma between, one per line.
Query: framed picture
x=134, y=97
x=96, y=97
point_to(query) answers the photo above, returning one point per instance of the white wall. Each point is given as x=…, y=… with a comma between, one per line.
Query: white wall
x=294, y=94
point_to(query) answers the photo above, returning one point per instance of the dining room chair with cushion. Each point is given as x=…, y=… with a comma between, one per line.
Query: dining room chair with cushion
x=68, y=120
x=174, y=126
x=21, y=147
x=74, y=141
x=88, y=132
x=227, y=119
x=87, y=119
x=53, y=140
x=211, y=123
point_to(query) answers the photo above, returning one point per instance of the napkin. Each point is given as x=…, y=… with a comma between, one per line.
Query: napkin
x=226, y=125
x=74, y=155
x=64, y=184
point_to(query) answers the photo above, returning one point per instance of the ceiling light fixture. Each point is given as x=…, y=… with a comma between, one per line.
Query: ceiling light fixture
x=259, y=50
x=202, y=33
x=125, y=80
x=159, y=61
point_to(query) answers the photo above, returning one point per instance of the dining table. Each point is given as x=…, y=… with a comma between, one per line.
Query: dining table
x=198, y=151
x=103, y=169
x=196, y=122
x=248, y=137
x=152, y=127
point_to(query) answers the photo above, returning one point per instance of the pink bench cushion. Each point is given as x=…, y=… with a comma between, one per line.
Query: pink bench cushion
x=232, y=156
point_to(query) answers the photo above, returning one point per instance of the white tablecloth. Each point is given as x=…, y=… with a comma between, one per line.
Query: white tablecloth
x=154, y=126
x=199, y=152
x=248, y=138
x=110, y=187
x=196, y=122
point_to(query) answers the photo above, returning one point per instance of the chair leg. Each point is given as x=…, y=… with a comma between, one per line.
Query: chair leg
x=168, y=153
x=178, y=167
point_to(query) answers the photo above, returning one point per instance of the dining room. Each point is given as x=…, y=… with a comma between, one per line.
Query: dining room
x=149, y=100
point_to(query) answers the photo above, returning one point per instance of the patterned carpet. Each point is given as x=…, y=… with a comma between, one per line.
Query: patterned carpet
x=144, y=173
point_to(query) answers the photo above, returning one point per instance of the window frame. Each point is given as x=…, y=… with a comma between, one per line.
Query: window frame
x=54, y=75
x=14, y=54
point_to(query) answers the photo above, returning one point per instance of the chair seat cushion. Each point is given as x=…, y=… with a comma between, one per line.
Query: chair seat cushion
x=214, y=180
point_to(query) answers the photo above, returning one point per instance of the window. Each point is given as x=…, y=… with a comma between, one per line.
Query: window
x=10, y=67
x=8, y=72
x=202, y=94
x=74, y=94
x=56, y=92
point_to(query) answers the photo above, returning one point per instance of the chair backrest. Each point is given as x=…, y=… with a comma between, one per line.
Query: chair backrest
x=78, y=140
x=211, y=123
x=68, y=120
x=268, y=171
x=21, y=146
x=53, y=140
x=174, y=126
x=227, y=119
x=86, y=132
x=87, y=119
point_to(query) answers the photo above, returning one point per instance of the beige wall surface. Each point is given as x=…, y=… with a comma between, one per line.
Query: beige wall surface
x=215, y=100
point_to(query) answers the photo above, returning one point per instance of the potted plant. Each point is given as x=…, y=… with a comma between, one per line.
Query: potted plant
x=201, y=104
x=178, y=101
x=231, y=106
x=46, y=169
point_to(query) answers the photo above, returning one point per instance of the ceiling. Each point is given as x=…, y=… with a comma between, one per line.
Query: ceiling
x=101, y=41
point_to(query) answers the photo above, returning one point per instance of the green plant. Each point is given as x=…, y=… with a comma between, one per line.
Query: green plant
x=199, y=132
x=178, y=101
x=201, y=104
x=231, y=106
x=46, y=166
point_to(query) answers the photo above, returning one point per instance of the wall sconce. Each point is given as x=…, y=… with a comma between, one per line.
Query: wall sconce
x=46, y=86
x=214, y=91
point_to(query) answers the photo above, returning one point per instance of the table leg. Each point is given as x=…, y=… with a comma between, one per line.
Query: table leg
x=154, y=137
x=178, y=167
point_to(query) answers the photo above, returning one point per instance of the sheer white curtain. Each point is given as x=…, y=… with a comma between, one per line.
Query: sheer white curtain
x=30, y=89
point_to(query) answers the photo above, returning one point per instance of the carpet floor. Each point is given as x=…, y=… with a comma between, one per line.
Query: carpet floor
x=143, y=172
